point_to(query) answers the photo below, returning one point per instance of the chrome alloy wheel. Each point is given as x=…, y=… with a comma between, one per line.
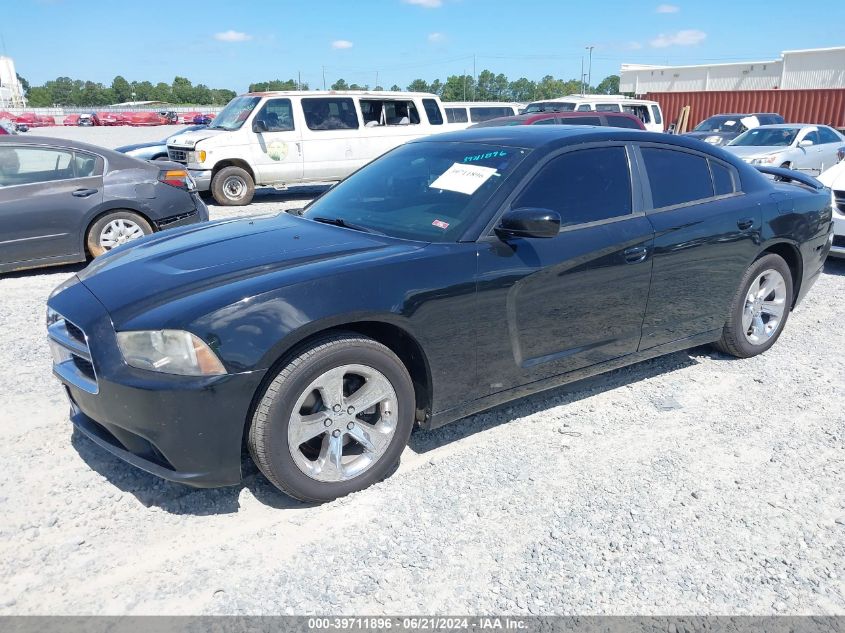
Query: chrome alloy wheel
x=119, y=232
x=765, y=305
x=234, y=188
x=342, y=423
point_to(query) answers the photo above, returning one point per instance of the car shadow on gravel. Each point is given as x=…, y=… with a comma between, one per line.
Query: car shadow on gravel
x=266, y=195
x=424, y=441
x=835, y=266
x=35, y=273
x=177, y=498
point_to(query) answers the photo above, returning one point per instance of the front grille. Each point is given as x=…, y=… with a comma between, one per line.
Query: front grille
x=839, y=196
x=839, y=241
x=178, y=155
x=72, y=360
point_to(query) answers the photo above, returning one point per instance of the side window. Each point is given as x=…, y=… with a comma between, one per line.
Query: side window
x=812, y=136
x=639, y=111
x=622, y=121
x=608, y=107
x=85, y=165
x=723, y=181
x=545, y=122
x=676, y=177
x=432, y=111
x=379, y=112
x=580, y=120
x=655, y=110
x=583, y=186
x=479, y=114
x=826, y=135
x=330, y=113
x=30, y=165
x=584, y=108
x=277, y=115
x=456, y=115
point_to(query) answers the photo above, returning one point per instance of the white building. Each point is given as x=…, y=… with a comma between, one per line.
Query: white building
x=11, y=92
x=807, y=69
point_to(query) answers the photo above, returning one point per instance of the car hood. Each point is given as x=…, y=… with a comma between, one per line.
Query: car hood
x=749, y=151
x=221, y=257
x=189, y=139
x=137, y=146
x=834, y=177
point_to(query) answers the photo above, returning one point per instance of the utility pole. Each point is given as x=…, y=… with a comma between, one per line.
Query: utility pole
x=590, y=66
x=582, y=74
x=376, y=86
x=299, y=80
x=465, y=85
x=324, y=77
x=474, y=78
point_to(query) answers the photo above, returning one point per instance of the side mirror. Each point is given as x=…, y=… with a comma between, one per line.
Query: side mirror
x=259, y=125
x=805, y=143
x=840, y=154
x=529, y=222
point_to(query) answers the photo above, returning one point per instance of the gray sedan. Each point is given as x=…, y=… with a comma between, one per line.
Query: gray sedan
x=801, y=146
x=63, y=201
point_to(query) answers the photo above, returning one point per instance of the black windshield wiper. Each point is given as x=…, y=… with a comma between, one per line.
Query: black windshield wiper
x=347, y=225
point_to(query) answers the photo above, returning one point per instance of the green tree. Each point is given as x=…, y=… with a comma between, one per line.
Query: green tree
x=24, y=84
x=491, y=87
x=122, y=89
x=143, y=90
x=39, y=97
x=340, y=84
x=458, y=88
x=608, y=86
x=395, y=88
x=435, y=87
x=357, y=87
x=522, y=89
x=418, y=85
x=378, y=88
x=182, y=90
x=162, y=92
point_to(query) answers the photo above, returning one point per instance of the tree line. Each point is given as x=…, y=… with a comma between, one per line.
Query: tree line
x=64, y=91
x=488, y=86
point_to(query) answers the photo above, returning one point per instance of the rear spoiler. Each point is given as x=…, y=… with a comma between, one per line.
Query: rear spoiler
x=790, y=175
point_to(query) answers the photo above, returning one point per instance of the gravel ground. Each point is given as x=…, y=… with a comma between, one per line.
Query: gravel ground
x=692, y=484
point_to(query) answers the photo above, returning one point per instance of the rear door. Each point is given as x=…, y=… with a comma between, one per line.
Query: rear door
x=706, y=233
x=45, y=193
x=332, y=141
x=829, y=142
x=551, y=306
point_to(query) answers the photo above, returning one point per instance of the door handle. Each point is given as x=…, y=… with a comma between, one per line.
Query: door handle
x=635, y=254
x=84, y=193
x=745, y=224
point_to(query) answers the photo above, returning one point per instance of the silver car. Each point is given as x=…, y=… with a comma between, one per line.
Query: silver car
x=809, y=148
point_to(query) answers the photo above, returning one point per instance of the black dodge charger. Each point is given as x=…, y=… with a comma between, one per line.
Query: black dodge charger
x=450, y=275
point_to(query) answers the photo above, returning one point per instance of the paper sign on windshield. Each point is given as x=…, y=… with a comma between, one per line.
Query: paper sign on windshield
x=463, y=178
x=750, y=122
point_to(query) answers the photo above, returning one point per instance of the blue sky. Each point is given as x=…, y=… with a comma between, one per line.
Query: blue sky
x=228, y=44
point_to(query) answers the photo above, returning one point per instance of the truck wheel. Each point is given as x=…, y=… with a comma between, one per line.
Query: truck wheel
x=759, y=309
x=232, y=187
x=334, y=420
x=113, y=229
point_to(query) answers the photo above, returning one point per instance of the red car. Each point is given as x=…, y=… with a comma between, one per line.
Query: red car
x=188, y=117
x=110, y=118
x=71, y=119
x=137, y=119
x=609, y=119
x=29, y=118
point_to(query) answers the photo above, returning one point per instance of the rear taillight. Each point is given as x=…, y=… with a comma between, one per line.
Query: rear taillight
x=176, y=178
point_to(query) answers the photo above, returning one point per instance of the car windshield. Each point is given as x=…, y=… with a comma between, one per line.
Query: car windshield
x=720, y=124
x=426, y=191
x=550, y=106
x=237, y=111
x=766, y=137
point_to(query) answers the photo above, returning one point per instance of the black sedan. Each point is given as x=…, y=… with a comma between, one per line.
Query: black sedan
x=63, y=201
x=450, y=275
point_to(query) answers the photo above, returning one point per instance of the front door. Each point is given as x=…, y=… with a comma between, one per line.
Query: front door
x=551, y=306
x=44, y=195
x=277, y=147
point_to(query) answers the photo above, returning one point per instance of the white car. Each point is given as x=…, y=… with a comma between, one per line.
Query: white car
x=800, y=146
x=835, y=179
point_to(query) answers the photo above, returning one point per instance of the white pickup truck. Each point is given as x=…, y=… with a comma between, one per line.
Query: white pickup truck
x=279, y=139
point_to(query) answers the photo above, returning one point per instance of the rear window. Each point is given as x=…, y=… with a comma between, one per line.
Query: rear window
x=432, y=111
x=579, y=120
x=550, y=106
x=622, y=121
x=676, y=177
x=655, y=110
x=456, y=115
x=608, y=107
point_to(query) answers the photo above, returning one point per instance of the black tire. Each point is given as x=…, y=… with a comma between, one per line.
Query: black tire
x=268, y=433
x=734, y=340
x=232, y=187
x=92, y=238
x=786, y=165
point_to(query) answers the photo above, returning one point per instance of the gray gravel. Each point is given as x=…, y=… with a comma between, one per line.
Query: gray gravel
x=692, y=484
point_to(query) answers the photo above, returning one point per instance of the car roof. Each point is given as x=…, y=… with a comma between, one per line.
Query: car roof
x=788, y=125
x=540, y=116
x=116, y=159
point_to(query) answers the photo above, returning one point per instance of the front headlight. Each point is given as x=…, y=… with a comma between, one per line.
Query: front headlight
x=765, y=160
x=169, y=352
x=714, y=140
x=196, y=156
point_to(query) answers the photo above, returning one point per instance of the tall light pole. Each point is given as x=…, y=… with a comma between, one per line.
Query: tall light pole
x=590, y=66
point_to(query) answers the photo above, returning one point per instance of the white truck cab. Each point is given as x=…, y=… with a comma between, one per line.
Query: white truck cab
x=648, y=112
x=279, y=139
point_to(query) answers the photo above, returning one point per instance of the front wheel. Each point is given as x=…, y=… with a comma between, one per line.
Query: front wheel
x=113, y=229
x=334, y=420
x=759, y=309
x=233, y=187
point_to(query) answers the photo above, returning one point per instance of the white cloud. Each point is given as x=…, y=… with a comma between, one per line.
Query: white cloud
x=232, y=36
x=427, y=4
x=688, y=37
x=668, y=8
x=436, y=37
x=342, y=44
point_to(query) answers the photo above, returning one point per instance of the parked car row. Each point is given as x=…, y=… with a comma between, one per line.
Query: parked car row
x=109, y=118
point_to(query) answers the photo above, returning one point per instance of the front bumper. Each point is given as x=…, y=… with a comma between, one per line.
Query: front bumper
x=838, y=248
x=184, y=429
x=202, y=177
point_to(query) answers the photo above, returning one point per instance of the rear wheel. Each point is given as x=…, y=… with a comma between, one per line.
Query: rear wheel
x=786, y=165
x=334, y=420
x=759, y=309
x=232, y=186
x=113, y=229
